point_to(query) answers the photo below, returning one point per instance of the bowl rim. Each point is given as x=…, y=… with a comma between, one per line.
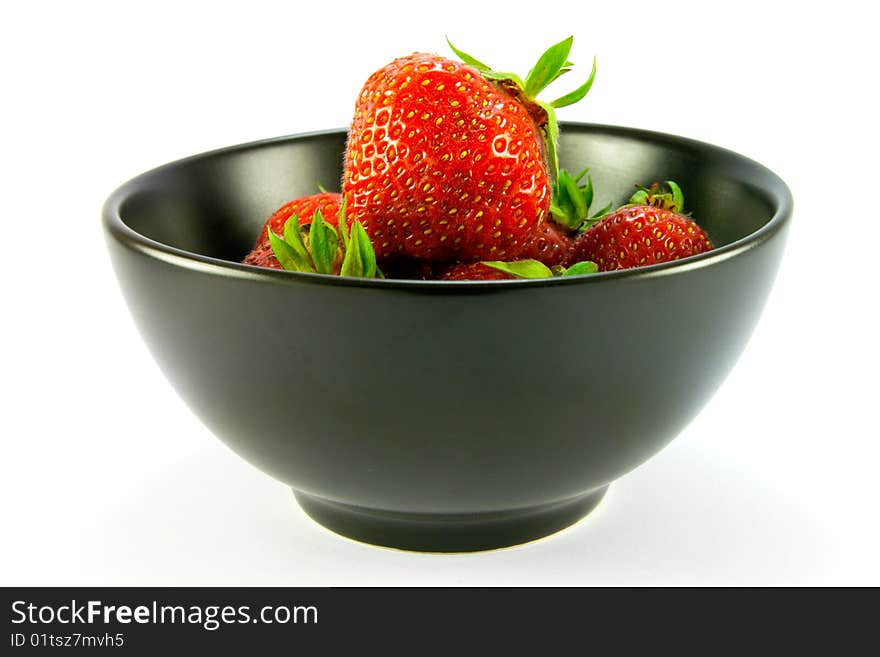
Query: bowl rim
x=119, y=230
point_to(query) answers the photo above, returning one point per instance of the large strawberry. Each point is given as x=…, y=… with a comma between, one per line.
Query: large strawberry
x=305, y=208
x=649, y=230
x=451, y=161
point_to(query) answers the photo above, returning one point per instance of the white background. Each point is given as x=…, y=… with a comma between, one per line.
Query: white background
x=107, y=478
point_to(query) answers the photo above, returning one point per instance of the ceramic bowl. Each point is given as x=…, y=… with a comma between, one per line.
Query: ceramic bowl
x=442, y=416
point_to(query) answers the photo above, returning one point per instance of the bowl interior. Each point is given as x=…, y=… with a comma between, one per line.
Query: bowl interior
x=215, y=204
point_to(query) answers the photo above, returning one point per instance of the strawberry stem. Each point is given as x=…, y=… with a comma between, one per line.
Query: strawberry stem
x=321, y=253
x=572, y=200
x=669, y=197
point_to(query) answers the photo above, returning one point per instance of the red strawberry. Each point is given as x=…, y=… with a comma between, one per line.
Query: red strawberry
x=474, y=271
x=650, y=230
x=326, y=248
x=448, y=161
x=551, y=246
x=498, y=270
x=328, y=203
x=262, y=255
x=304, y=207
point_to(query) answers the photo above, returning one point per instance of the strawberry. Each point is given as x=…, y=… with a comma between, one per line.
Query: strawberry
x=329, y=246
x=305, y=208
x=496, y=270
x=551, y=246
x=474, y=271
x=262, y=255
x=451, y=161
x=649, y=230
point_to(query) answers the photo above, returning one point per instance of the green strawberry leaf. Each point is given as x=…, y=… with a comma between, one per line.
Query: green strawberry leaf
x=548, y=68
x=468, y=59
x=677, y=196
x=365, y=246
x=293, y=238
x=561, y=206
x=287, y=255
x=601, y=213
x=587, y=192
x=323, y=243
x=572, y=199
x=639, y=197
x=574, y=96
x=574, y=195
x=593, y=220
x=521, y=268
x=565, y=69
x=583, y=172
x=360, y=258
x=352, y=264
x=585, y=267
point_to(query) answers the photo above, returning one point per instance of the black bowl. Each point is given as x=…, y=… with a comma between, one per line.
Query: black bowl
x=442, y=416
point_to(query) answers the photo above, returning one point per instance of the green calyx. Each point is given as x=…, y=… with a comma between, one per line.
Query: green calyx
x=537, y=269
x=668, y=197
x=572, y=200
x=551, y=65
x=323, y=250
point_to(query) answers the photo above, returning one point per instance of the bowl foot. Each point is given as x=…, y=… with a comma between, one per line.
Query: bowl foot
x=448, y=532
